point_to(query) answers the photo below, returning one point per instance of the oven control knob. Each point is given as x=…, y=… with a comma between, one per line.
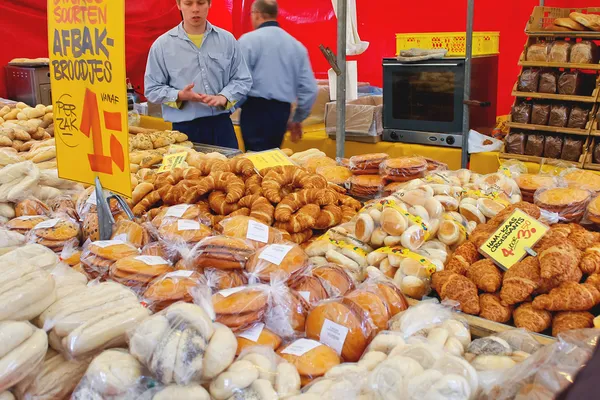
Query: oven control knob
x=450, y=140
x=394, y=135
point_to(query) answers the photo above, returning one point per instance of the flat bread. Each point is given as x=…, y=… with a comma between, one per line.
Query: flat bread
x=590, y=21
x=569, y=23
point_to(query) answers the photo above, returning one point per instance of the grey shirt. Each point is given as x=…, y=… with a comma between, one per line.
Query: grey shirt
x=217, y=67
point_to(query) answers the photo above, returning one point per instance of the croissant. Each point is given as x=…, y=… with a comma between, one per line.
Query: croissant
x=450, y=285
x=547, y=284
x=568, y=320
x=253, y=185
x=582, y=238
x=279, y=177
x=493, y=308
x=520, y=281
x=594, y=280
x=217, y=203
x=485, y=275
x=260, y=208
x=465, y=255
x=347, y=213
x=590, y=262
x=534, y=320
x=304, y=219
x=240, y=165
x=164, y=179
x=244, y=211
x=192, y=173
x=528, y=208
x=559, y=259
x=144, y=205
x=227, y=182
x=569, y=296
x=292, y=202
x=481, y=234
x=302, y=236
x=329, y=216
x=314, y=181
x=336, y=188
x=348, y=201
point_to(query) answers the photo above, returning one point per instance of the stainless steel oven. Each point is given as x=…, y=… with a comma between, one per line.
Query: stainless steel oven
x=423, y=101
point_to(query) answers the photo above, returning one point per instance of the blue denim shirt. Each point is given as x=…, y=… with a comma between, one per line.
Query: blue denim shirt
x=280, y=68
x=217, y=67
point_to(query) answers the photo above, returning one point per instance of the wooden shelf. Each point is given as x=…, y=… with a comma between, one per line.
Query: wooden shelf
x=534, y=159
x=546, y=128
x=593, y=35
x=542, y=64
x=554, y=96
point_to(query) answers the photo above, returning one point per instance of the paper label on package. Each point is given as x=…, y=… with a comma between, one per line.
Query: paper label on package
x=121, y=236
x=229, y=292
x=301, y=347
x=305, y=295
x=177, y=211
x=28, y=217
x=179, y=274
x=275, y=253
x=333, y=335
x=106, y=243
x=187, y=225
x=152, y=260
x=92, y=199
x=253, y=333
x=258, y=232
x=47, y=224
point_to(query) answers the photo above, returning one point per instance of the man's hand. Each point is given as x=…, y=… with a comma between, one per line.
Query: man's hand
x=295, y=129
x=187, y=94
x=214, y=101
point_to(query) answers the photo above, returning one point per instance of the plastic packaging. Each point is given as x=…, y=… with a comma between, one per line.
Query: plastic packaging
x=220, y=279
x=322, y=282
x=367, y=164
x=365, y=186
x=596, y=153
x=529, y=80
x=257, y=335
x=521, y=112
x=540, y=113
x=568, y=203
x=250, y=229
x=137, y=272
x=553, y=146
x=584, y=52
x=570, y=83
x=548, y=82
x=338, y=175
x=559, y=52
x=537, y=52
x=572, y=148
x=286, y=311
x=97, y=257
x=64, y=204
x=56, y=233
x=515, y=142
x=559, y=115
x=311, y=358
x=170, y=288
x=578, y=117
x=285, y=258
x=31, y=206
x=24, y=348
x=403, y=169
x=241, y=307
x=535, y=145
x=131, y=232
x=221, y=252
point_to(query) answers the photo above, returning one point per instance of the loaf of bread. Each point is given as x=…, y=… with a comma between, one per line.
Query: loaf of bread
x=553, y=146
x=559, y=115
x=579, y=116
x=529, y=80
x=535, y=145
x=540, y=113
x=548, y=82
x=584, y=52
x=537, y=52
x=572, y=148
x=521, y=112
x=559, y=51
x=515, y=143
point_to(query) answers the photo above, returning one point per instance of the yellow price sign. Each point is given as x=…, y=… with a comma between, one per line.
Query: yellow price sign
x=171, y=161
x=513, y=239
x=87, y=73
x=269, y=158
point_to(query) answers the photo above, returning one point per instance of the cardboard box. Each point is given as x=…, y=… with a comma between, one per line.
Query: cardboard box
x=363, y=116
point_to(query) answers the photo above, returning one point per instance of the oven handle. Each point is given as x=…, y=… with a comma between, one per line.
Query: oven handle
x=423, y=65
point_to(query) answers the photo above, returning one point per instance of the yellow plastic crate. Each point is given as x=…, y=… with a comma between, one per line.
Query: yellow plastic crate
x=484, y=43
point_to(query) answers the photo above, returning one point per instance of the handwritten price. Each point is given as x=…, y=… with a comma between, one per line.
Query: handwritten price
x=90, y=126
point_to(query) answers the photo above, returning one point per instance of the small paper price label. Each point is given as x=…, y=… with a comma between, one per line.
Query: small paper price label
x=513, y=239
x=275, y=253
x=253, y=333
x=257, y=231
x=301, y=346
x=171, y=161
x=269, y=158
x=177, y=211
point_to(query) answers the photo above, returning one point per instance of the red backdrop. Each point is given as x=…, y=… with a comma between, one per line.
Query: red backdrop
x=24, y=33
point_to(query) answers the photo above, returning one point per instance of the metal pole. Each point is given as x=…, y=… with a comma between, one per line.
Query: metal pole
x=340, y=136
x=542, y=3
x=467, y=91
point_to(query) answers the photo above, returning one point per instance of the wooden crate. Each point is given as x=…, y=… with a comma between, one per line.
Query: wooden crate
x=543, y=17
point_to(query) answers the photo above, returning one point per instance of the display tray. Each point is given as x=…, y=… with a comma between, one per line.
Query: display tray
x=207, y=148
x=589, y=67
x=481, y=327
x=546, y=128
x=555, y=96
x=359, y=138
x=542, y=17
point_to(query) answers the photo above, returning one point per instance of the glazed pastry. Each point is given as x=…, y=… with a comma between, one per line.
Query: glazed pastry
x=456, y=287
x=485, y=275
x=223, y=181
x=493, y=308
x=305, y=218
x=253, y=185
x=567, y=320
x=590, y=262
x=260, y=208
x=520, y=281
x=330, y=215
x=279, y=177
x=465, y=255
x=295, y=201
x=240, y=165
x=530, y=318
x=569, y=296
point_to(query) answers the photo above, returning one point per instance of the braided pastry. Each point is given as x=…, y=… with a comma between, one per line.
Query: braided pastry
x=347, y=213
x=217, y=202
x=222, y=181
x=206, y=166
x=240, y=165
x=278, y=177
x=144, y=205
x=305, y=218
x=329, y=216
x=301, y=237
x=260, y=208
x=292, y=202
x=253, y=185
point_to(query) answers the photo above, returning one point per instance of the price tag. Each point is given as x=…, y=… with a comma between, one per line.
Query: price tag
x=258, y=232
x=513, y=239
x=269, y=158
x=253, y=333
x=187, y=225
x=305, y=295
x=179, y=274
x=92, y=199
x=333, y=335
x=47, y=224
x=229, y=292
x=171, y=161
x=152, y=260
x=106, y=243
x=301, y=347
x=177, y=211
x=275, y=253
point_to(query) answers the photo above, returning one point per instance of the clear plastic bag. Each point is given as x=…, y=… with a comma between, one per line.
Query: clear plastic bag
x=171, y=288
x=403, y=169
x=250, y=229
x=521, y=112
x=540, y=113
x=529, y=80
x=286, y=258
x=568, y=202
x=311, y=358
x=537, y=52
x=131, y=232
x=137, y=272
x=286, y=311
x=322, y=282
x=241, y=307
x=366, y=164
x=56, y=233
x=99, y=256
x=221, y=252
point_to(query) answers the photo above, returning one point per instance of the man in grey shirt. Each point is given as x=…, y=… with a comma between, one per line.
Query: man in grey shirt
x=281, y=75
x=197, y=72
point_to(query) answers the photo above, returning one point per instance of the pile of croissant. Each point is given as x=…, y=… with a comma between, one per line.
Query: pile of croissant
x=287, y=197
x=557, y=288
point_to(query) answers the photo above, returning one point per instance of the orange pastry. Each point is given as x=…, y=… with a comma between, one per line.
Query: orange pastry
x=582, y=238
x=532, y=319
x=559, y=259
x=569, y=296
x=450, y=285
x=465, y=255
x=593, y=210
x=594, y=280
x=365, y=185
x=569, y=203
x=265, y=338
x=171, y=288
x=367, y=162
x=263, y=265
x=493, y=308
x=520, y=281
x=486, y=276
x=314, y=163
x=311, y=364
x=529, y=183
x=371, y=306
x=583, y=179
x=568, y=320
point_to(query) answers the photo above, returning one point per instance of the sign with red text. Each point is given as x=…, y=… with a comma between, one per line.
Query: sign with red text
x=86, y=42
x=513, y=239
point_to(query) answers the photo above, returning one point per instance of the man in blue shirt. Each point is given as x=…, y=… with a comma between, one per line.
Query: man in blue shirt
x=281, y=75
x=197, y=72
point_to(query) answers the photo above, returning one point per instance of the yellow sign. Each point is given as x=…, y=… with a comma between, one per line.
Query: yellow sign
x=269, y=158
x=406, y=253
x=87, y=73
x=171, y=161
x=513, y=239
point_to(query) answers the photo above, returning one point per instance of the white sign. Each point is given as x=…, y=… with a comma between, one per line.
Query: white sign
x=275, y=253
x=177, y=211
x=187, y=225
x=253, y=333
x=47, y=224
x=305, y=295
x=258, y=232
x=301, y=346
x=333, y=335
x=229, y=292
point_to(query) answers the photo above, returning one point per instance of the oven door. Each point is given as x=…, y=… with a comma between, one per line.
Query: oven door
x=425, y=96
